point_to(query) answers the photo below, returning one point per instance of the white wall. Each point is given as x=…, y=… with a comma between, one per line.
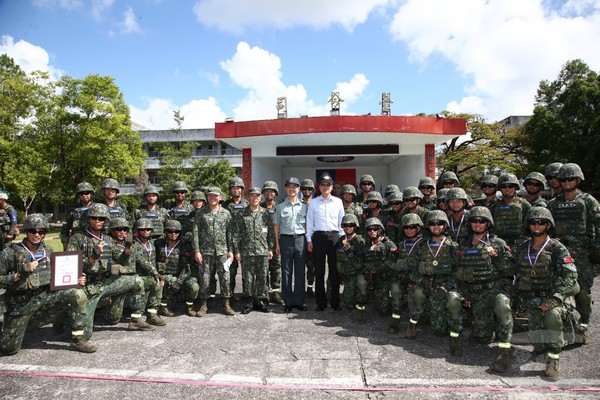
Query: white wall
x=407, y=170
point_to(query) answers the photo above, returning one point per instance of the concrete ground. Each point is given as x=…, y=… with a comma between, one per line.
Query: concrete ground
x=300, y=355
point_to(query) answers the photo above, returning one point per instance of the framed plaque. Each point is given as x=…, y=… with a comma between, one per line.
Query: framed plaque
x=66, y=267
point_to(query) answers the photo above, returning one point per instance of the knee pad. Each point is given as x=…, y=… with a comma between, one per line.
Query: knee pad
x=502, y=307
x=553, y=320
x=139, y=285
x=361, y=284
x=396, y=291
x=454, y=303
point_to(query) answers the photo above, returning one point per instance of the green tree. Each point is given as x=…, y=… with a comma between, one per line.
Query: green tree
x=565, y=125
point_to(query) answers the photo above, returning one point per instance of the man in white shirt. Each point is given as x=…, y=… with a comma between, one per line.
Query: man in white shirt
x=323, y=229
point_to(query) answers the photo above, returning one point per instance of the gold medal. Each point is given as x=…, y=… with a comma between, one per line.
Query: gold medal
x=435, y=263
x=533, y=273
x=344, y=242
x=34, y=264
x=374, y=248
x=490, y=249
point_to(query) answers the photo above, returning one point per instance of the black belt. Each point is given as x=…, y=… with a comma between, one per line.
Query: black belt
x=294, y=235
x=327, y=232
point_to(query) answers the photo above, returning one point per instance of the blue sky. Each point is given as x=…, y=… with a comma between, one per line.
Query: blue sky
x=213, y=59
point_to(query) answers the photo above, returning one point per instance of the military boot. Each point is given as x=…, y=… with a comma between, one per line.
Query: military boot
x=275, y=297
x=394, y=325
x=164, y=310
x=310, y=293
x=360, y=314
x=154, y=319
x=503, y=361
x=456, y=347
x=552, y=370
x=411, y=331
x=582, y=330
x=202, y=310
x=81, y=344
x=189, y=310
x=227, y=308
x=136, y=324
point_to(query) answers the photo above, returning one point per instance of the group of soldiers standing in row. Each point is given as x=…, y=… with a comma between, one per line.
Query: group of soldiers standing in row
x=451, y=259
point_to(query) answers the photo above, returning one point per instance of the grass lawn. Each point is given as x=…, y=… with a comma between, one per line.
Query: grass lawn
x=52, y=238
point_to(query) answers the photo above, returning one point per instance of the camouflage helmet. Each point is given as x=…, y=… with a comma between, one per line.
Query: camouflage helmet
x=179, y=186
x=506, y=179
x=489, y=179
x=349, y=189
x=539, y=213
x=236, y=181
x=570, y=170
x=84, y=187
x=411, y=219
x=98, y=210
x=456, y=194
x=396, y=196
x=151, y=189
x=173, y=225
x=436, y=215
x=552, y=169
x=110, y=183
x=270, y=185
x=441, y=194
x=143, y=223
x=535, y=176
x=366, y=179
x=411, y=192
x=307, y=183
x=350, y=219
x=373, y=222
x=198, y=195
x=254, y=190
x=481, y=212
x=119, y=222
x=426, y=182
x=449, y=176
x=374, y=196
x=36, y=221
x=391, y=188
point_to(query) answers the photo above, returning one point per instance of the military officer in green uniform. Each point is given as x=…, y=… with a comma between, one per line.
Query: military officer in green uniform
x=76, y=219
x=392, y=217
x=349, y=258
x=489, y=187
x=270, y=191
x=152, y=211
x=457, y=201
x=427, y=188
x=534, y=184
x=182, y=209
x=509, y=211
x=110, y=189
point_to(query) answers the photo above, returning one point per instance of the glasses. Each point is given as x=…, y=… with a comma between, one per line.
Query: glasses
x=121, y=229
x=531, y=183
x=508, y=186
x=85, y=193
x=395, y=203
x=570, y=179
x=144, y=229
x=448, y=183
x=425, y=187
x=36, y=232
x=173, y=231
x=311, y=189
x=373, y=201
x=366, y=184
x=348, y=226
x=478, y=221
x=410, y=227
x=98, y=218
x=488, y=186
x=537, y=222
x=373, y=229
x=551, y=177
x=180, y=192
x=411, y=199
x=437, y=223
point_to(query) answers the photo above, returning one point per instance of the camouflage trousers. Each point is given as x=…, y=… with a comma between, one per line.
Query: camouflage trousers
x=545, y=327
x=21, y=310
x=204, y=274
x=398, y=284
x=116, y=287
x=350, y=293
x=254, y=273
x=492, y=313
x=376, y=286
x=274, y=273
x=585, y=278
x=445, y=308
x=190, y=287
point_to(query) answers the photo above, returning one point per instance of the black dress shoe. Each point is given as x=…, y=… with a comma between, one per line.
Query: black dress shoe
x=264, y=308
x=336, y=308
x=302, y=307
x=246, y=310
x=321, y=308
x=287, y=309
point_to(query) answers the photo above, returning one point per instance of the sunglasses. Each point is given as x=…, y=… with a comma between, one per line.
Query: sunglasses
x=180, y=192
x=437, y=223
x=98, y=218
x=348, y=226
x=539, y=222
x=570, y=179
x=305, y=188
x=121, y=229
x=410, y=227
x=411, y=199
x=531, y=183
x=169, y=231
x=85, y=193
x=395, y=203
x=366, y=184
x=448, y=183
x=144, y=229
x=478, y=221
x=551, y=177
x=373, y=201
x=508, y=186
x=426, y=187
x=375, y=229
x=488, y=186
x=36, y=232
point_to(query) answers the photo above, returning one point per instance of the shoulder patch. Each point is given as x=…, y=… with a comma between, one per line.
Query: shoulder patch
x=568, y=260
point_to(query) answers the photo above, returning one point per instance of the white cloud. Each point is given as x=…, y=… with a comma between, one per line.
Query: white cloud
x=200, y=113
x=468, y=104
x=504, y=46
x=130, y=24
x=100, y=7
x=65, y=4
x=29, y=56
x=237, y=15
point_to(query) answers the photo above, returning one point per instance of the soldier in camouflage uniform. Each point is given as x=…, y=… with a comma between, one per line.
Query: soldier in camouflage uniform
x=182, y=209
x=577, y=217
x=110, y=190
x=448, y=180
x=198, y=201
x=145, y=262
x=509, y=211
x=411, y=197
x=547, y=281
x=152, y=211
x=488, y=185
x=254, y=246
x=366, y=185
x=213, y=245
x=76, y=218
x=389, y=191
x=25, y=274
x=534, y=184
x=441, y=201
x=8, y=221
x=270, y=190
x=307, y=188
x=391, y=218
x=458, y=228
x=235, y=204
x=431, y=273
x=485, y=272
x=175, y=263
x=374, y=203
x=411, y=227
x=349, y=258
x=99, y=254
x=427, y=188
x=379, y=256
x=551, y=175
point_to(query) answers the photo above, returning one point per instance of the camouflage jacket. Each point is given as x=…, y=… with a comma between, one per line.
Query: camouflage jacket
x=8, y=220
x=16, y=259
x=576, y=219
x=381, y=257
x=391, y=222
x=212, y=232
x=350, y=259
x=76, y=221
x=475, y=265
x=96, y=269
x=145, y=258
x=433, y=261
x=177, y=261
x=184, y=214
x=158, y=216
x=253, y=233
